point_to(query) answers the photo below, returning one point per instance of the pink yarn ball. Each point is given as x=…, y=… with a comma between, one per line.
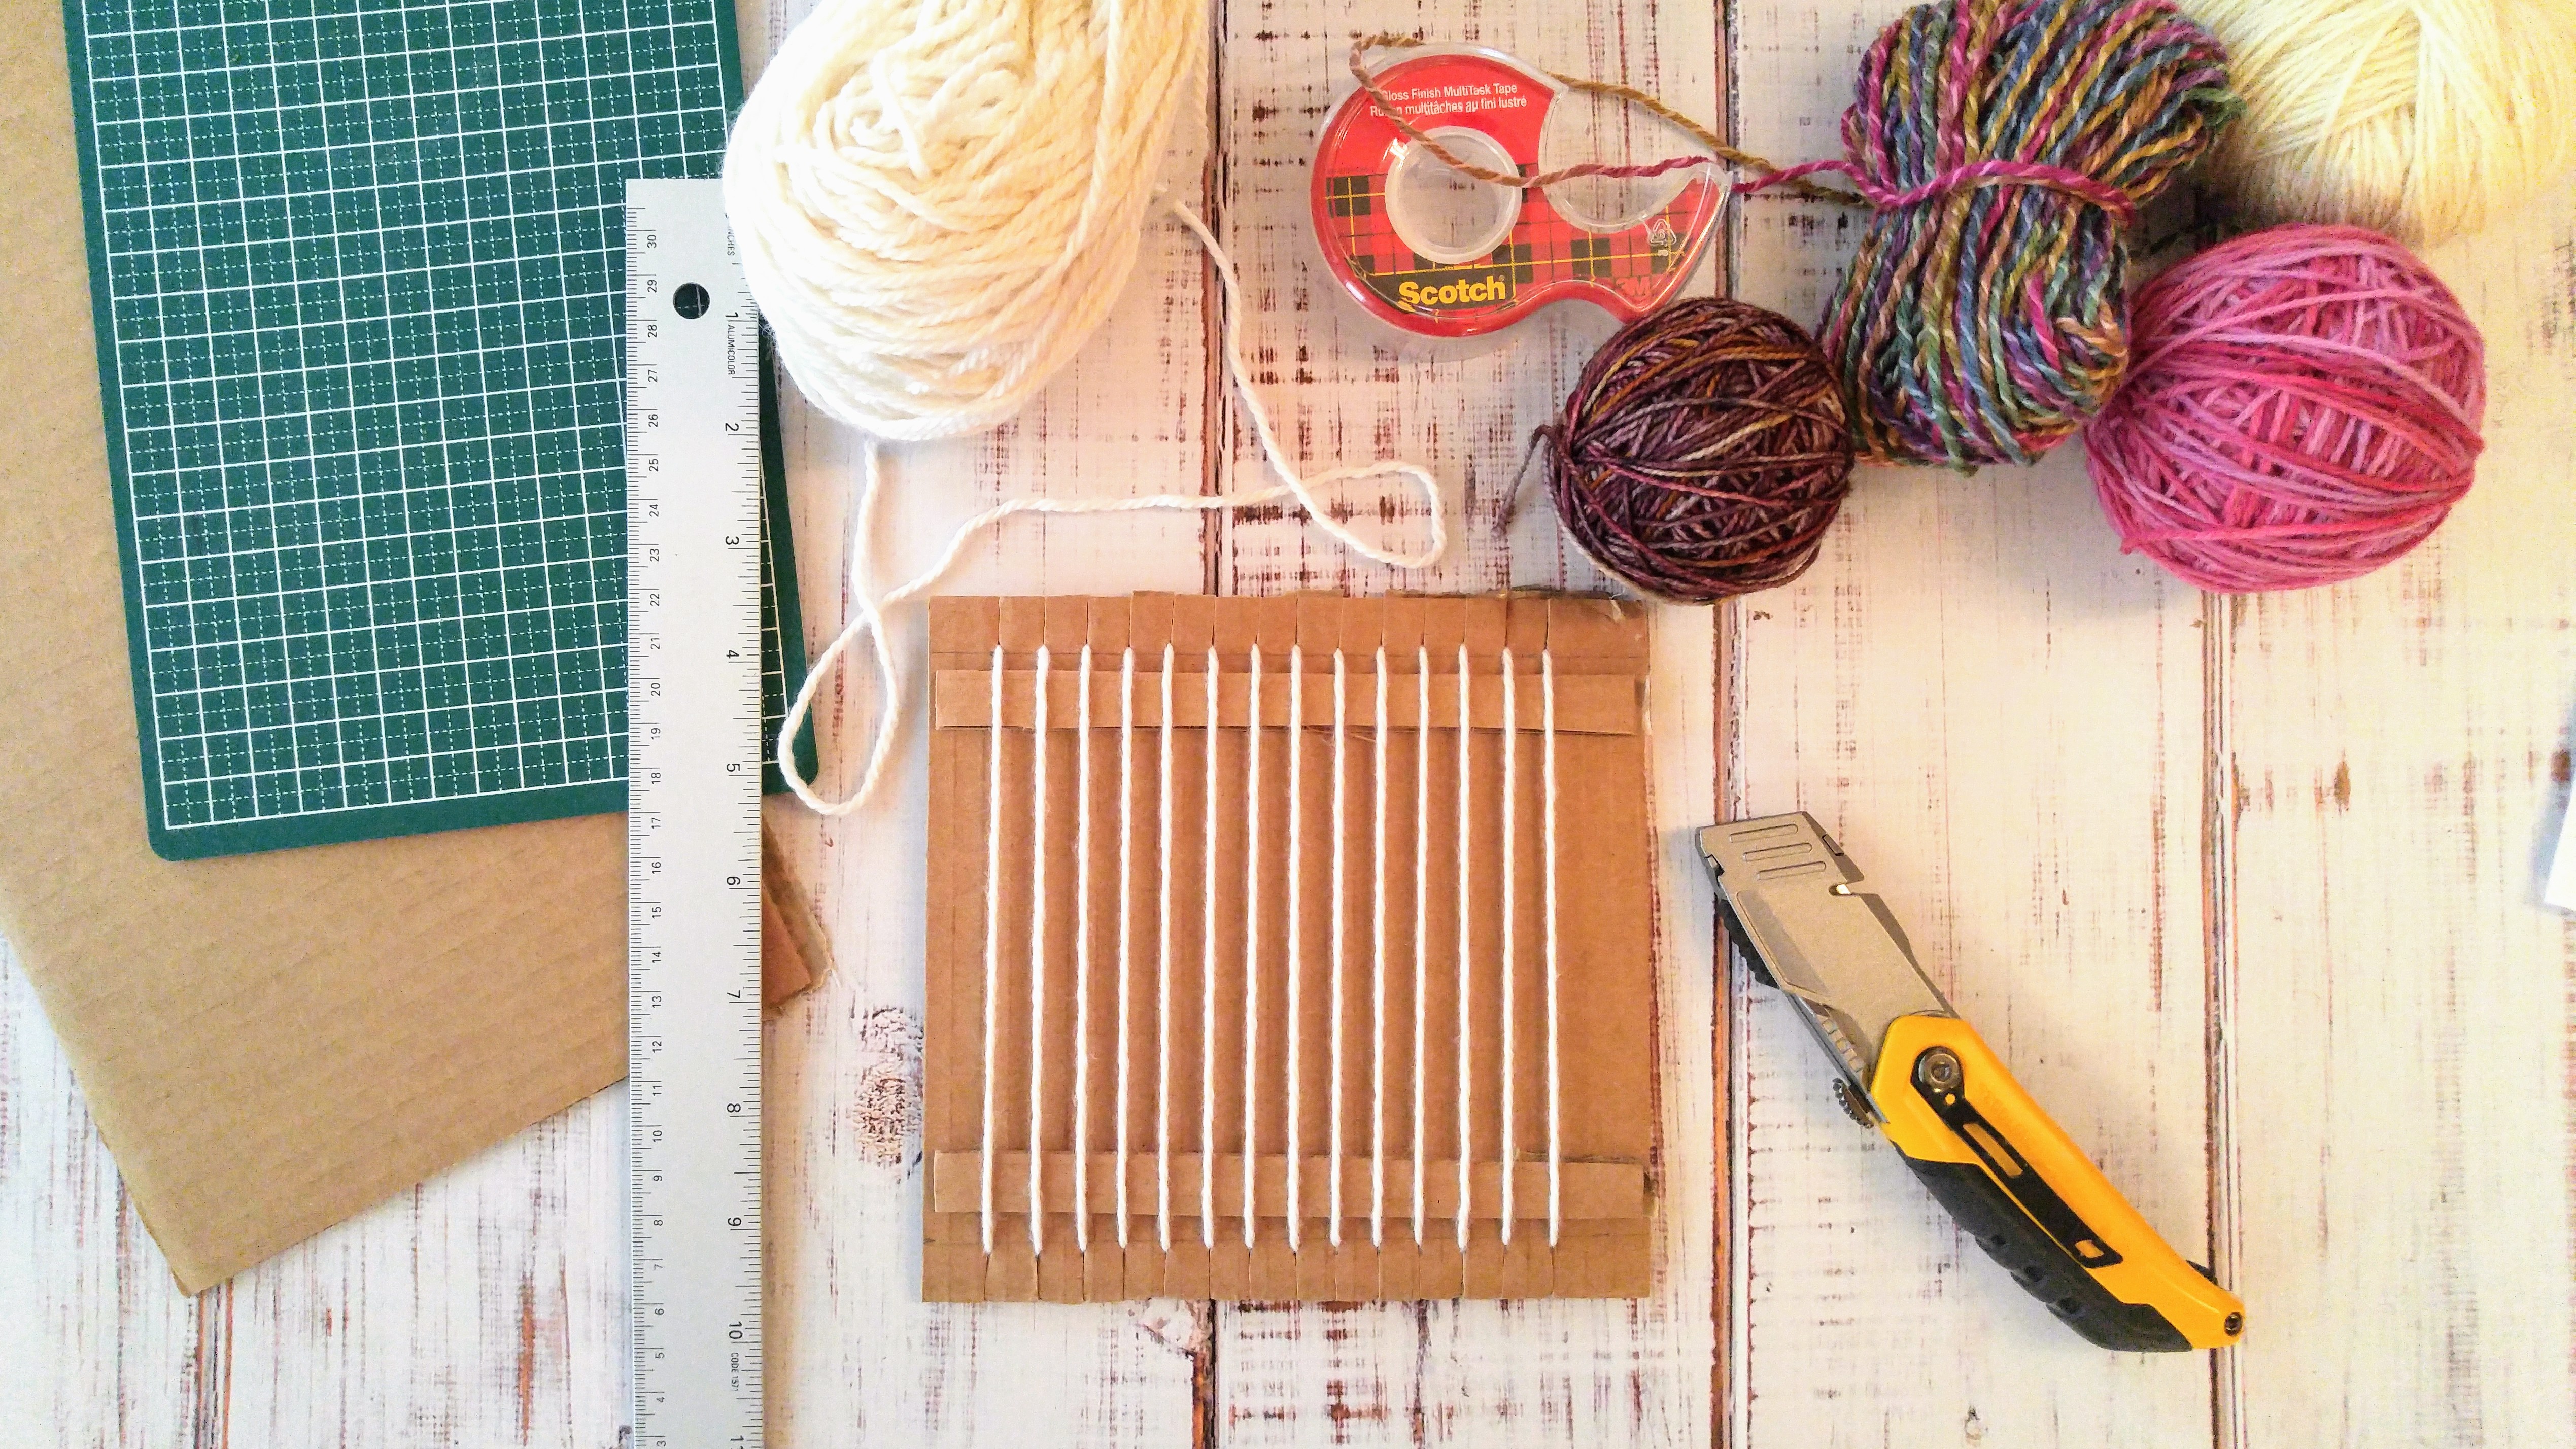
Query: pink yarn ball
x=2302, y=406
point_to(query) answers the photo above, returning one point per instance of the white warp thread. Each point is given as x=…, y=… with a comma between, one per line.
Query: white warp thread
x=992, y=940
x=1207, y=980
x=1341, y=872
x=1421, y=913
x=1466, y=956
x=1508, y=947
x=1296, y=938
x=1555, y=1094
x=1082, y=961
x=1548, y=805
x=1037, y=961
x=1252, y=947
x=1163, y=984
x=1126, y=908
x=1377, y=978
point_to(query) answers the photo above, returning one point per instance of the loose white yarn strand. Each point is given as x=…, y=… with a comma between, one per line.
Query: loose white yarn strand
x=867, y=615
x=936, y=206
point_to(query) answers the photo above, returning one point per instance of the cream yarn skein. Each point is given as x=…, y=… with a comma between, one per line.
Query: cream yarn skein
x=937, y=202
x=2422, y=119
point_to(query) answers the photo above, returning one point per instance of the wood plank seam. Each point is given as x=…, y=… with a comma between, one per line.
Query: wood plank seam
x=2218, y=833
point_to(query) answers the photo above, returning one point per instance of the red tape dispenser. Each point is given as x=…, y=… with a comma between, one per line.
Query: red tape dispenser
x=1428, y=249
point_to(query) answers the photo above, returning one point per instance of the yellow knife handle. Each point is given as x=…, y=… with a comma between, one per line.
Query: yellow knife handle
x=2034, y=1201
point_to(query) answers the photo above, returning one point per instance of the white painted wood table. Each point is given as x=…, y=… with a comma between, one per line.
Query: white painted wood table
x=2247, y=892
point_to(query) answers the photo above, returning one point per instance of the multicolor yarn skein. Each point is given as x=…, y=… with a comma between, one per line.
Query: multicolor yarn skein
x=2304, y=408
x=2005, y=145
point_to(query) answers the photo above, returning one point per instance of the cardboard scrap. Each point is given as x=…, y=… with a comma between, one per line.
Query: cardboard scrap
x=794, y=950
x=268, y=1043
x=1154, y=968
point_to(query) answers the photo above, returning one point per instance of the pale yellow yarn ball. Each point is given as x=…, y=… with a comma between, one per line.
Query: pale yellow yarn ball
x=2424, y=119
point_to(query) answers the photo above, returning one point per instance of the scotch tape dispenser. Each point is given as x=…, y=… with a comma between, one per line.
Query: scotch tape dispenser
x=1432, y=251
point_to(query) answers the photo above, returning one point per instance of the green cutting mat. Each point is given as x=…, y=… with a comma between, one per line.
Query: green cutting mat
x=358, y=272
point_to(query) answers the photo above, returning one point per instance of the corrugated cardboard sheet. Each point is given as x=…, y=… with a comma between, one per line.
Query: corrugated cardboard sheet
x=1054, y=1047
x=268, y=1043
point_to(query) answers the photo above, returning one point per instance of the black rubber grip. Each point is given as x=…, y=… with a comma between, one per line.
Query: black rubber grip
x=2050, y=1272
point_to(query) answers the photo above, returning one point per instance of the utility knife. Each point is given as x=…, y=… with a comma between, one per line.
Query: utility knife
x=1912, y=1068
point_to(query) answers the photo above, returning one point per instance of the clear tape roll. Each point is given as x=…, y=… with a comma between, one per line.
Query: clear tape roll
x=1428, y=252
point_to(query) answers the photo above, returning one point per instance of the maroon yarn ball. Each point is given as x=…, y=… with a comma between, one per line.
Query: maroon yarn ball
x=2302, y=407
x=1703, y=452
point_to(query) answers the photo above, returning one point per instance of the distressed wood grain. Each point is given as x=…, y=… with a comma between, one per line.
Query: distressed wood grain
x=99, y=1346
x=1478, y=1373
x=2401, y=1059
x=485, y=1307
x=2001, y=717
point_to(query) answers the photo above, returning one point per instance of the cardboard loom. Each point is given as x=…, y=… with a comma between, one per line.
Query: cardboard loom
x=1055, y=1029
x=269, y=1043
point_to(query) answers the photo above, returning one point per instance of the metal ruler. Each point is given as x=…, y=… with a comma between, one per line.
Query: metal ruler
x=693, y=499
